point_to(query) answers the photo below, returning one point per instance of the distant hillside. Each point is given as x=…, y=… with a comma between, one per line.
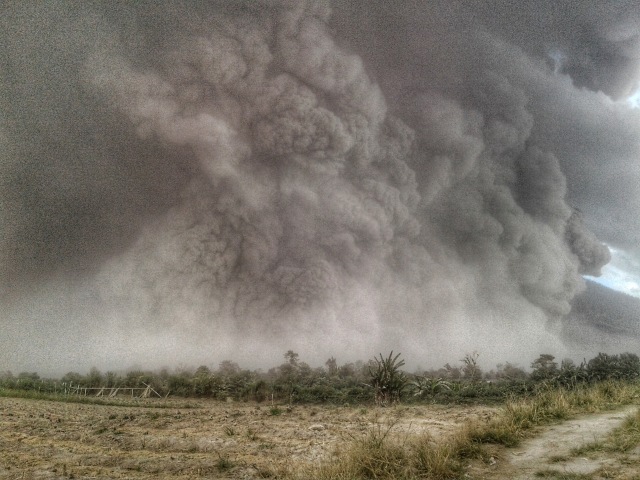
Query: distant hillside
x=603, y=320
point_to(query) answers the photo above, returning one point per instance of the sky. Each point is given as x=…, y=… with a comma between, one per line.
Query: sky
x=622, y=273
x=185, y=182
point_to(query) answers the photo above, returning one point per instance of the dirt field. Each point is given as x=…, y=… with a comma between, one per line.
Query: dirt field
x=204, y=439
x=54, y=440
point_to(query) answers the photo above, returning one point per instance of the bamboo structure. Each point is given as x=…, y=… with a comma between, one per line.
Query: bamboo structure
x=141, y=392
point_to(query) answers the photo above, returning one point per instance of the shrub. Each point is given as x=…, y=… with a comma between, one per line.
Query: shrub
x=387, y=380
x=544, y=368
x=616, y=367
x=471, y=370
x=424, y=386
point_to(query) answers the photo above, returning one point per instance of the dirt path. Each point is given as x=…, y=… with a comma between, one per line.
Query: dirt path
x=549, y=454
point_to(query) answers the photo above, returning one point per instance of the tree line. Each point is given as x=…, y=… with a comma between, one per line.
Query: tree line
x=381, y=380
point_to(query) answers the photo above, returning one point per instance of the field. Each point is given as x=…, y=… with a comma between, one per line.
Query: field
x=185, y=439
x=190, y=439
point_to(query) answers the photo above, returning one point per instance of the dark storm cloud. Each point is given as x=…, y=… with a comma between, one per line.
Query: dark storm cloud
x=449, y=47
x=595, y=43
x=363, y=174
x=75, y=182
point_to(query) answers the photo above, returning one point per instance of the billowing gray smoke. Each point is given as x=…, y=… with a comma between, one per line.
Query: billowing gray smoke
x=233, y=179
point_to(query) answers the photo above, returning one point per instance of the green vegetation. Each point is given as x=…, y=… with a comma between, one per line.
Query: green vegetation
x=224, y=463
x=381, y=380
x=387, y=380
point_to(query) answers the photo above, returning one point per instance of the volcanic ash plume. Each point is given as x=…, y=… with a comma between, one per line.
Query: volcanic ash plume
x=317, y=215
x=305, y=195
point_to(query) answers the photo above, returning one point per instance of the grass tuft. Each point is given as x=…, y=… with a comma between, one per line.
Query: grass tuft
x=436, y=461
x=224, y=463
x=275, y=411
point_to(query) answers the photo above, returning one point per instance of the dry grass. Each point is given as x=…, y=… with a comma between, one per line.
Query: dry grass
x=136, y=440
x=379, y=455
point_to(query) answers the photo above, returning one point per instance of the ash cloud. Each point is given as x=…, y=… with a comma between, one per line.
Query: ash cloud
x=234, y=179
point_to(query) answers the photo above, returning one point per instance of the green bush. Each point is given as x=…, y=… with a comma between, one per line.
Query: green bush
x=625, y=366
x=387, y=380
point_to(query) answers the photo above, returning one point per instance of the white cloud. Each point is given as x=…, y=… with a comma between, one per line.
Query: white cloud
x=622, y=273
x=634, y=100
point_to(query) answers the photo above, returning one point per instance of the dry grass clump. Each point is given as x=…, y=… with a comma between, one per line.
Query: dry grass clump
x=379, y=455
x=436, y=460
x=627, y=436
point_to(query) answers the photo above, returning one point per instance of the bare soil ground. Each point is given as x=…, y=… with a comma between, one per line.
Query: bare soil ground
x=55, y=440
x=206, y=439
